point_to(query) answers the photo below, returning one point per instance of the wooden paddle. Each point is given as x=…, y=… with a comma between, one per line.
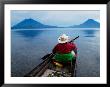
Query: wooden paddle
x=73, y=39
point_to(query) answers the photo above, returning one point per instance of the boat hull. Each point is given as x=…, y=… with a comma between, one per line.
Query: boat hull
x=47, y=68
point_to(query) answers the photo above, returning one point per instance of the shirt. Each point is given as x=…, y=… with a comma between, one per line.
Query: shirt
x=64, y=48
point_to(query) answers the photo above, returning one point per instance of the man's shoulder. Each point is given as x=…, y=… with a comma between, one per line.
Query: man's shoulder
x=72, y=44
x=58, y=44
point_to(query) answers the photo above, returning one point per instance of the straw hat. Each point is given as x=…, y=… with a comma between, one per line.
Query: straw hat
x=63, y=38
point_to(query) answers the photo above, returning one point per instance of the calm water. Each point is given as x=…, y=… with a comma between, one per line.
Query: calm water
x=29, y=46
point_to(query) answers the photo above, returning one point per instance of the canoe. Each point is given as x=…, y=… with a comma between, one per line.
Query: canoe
x=47, y=68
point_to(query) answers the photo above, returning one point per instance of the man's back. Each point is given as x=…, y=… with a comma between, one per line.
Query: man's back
x=64, y=48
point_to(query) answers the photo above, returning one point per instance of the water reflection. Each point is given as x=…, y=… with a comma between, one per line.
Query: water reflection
x=90, y=33
x=29, y=33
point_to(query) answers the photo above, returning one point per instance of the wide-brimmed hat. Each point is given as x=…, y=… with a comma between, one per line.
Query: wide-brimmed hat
x=63, y=38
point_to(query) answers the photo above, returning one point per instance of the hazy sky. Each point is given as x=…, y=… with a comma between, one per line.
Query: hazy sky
x=58, y=18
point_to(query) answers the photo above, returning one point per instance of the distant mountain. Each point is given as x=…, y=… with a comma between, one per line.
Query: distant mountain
x=31, y=24
x=90, y=23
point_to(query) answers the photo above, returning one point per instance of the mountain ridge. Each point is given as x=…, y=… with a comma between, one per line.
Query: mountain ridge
x=33, y=24
x=90, y=23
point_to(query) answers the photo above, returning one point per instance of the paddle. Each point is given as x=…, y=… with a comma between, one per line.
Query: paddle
x=74, y=39
x=51, y=54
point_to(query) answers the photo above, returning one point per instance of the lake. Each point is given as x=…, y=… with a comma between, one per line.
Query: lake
x=28, y=46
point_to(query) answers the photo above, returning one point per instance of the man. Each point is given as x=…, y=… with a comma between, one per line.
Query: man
x=64, y=51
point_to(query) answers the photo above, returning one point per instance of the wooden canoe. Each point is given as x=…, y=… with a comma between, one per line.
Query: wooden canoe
x=47, y=66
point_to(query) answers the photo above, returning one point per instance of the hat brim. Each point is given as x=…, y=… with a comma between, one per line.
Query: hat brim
x=62, y=41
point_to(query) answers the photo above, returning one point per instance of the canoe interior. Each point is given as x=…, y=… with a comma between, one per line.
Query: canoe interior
x=57, y=71
x=47, y=67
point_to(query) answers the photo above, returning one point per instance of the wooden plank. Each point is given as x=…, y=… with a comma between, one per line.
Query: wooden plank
x=38, y=68
x=41, y=68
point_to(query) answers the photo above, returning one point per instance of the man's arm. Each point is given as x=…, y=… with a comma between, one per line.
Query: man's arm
x=54, y=49
x=74, y=47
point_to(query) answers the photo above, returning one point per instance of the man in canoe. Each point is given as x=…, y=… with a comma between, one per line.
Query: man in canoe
x=64, y=51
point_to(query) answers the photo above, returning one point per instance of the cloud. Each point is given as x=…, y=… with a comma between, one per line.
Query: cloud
x=59, y=18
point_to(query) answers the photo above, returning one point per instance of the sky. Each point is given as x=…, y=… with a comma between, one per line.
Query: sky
x=56, y=18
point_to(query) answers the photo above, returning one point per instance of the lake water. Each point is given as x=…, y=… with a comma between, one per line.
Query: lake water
x=29, y=46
